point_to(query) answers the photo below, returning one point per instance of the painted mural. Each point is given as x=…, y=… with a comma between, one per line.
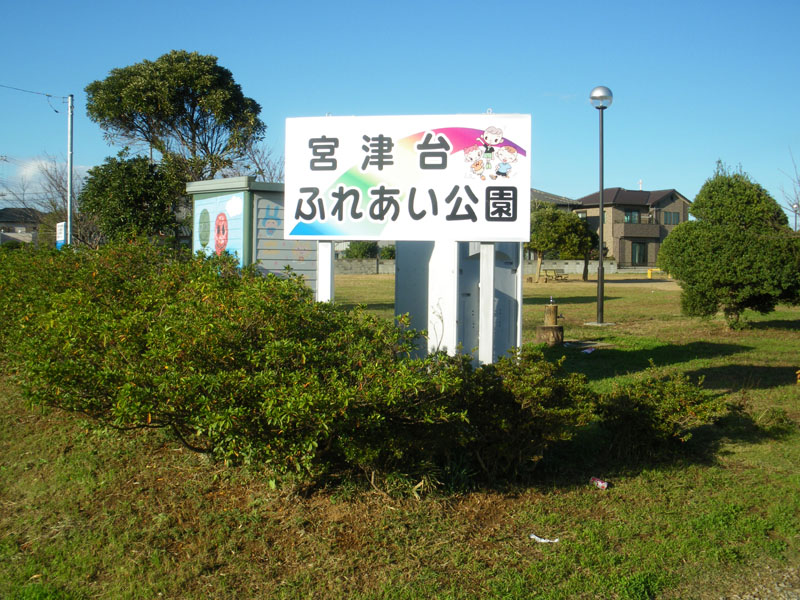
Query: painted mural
x=219, y=225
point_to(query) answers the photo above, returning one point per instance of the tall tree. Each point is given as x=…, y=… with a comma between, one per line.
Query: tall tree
x=182, y=104
x=737, y=254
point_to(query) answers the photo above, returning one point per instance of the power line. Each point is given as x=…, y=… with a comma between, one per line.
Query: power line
x=9, y=87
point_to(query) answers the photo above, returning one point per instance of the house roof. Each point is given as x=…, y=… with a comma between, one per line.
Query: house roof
x=547, y=197
x=630, y=197
x=19, y=215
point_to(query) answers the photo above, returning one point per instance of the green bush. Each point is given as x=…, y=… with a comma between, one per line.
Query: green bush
x=247, y=367
x=520, y=405
x=362, y=250
x=252, y=369
x=654, y=410
x=11, y=245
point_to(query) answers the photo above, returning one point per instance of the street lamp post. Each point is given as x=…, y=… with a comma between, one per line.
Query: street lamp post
x=601, y=98
x=796, y=209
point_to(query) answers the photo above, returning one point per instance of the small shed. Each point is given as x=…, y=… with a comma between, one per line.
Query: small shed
x=245, y=217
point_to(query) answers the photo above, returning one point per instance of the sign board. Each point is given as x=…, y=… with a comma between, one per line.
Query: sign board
x=61, y=234
x=409, y=178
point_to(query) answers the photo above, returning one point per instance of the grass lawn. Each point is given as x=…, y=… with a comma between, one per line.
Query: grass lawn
x=90, y=513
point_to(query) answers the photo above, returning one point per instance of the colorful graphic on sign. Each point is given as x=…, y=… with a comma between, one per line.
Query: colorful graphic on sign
x=460, y=178
x=219, y=225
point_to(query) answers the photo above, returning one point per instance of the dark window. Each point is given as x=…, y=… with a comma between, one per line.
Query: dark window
x=638, y=253
x=632, y=216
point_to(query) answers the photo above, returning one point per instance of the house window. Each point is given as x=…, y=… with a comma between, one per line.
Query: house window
x=582, y=214
x=671, y=218
x=639, y=253
x=632, y=216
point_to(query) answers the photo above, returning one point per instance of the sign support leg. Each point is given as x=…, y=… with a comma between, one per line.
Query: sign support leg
x=324, y=271
x=486, y=305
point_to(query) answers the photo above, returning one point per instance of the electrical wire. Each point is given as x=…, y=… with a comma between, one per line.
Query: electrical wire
x=48, y=96
x=9, y=87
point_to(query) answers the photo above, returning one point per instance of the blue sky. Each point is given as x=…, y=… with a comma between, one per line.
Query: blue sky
x=693, y=82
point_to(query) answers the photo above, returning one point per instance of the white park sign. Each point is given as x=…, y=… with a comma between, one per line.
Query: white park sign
x=409, y=178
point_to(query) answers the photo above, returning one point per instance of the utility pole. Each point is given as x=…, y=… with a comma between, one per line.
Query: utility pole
x=69, y=169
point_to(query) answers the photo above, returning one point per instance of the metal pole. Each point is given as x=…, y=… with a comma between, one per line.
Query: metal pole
x=69, y=169
x=600, y=273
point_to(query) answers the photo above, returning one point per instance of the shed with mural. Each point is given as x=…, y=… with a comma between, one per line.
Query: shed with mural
x=245, y=218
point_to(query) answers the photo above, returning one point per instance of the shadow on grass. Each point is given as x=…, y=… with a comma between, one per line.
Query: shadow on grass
x=370, y=306
x=611, y=362
x=563, y=300
x=785, y=324
x=591, y=452
x=737, y=377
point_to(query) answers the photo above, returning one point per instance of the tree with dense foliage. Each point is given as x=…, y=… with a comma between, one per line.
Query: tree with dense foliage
x=738, y=254
x=362, y=250
x=554, y=230
x=182, y=104
x=131, y=196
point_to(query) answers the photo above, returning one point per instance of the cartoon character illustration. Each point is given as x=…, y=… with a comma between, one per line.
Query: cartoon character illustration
x=506, y=155
x=473, y=156
x=478, y=167
x=490, y=138
x=220, y=233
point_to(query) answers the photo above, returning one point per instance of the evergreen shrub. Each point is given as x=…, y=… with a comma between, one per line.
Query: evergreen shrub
x=252, y=369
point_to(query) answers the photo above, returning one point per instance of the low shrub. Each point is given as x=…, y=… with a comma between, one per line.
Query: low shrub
x=252, y=369
x=521, y=404
x=653, y=410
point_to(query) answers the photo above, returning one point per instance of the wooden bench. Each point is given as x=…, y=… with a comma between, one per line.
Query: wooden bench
x=556, y=274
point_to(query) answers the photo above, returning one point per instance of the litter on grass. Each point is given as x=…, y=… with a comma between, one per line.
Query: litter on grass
x=598, y=483
x=535, y=537
x=588, y=350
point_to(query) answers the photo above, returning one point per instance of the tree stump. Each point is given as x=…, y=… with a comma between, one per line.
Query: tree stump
x=552, y=335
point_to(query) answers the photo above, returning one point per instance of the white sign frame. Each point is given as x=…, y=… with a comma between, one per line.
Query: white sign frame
x=410, y=178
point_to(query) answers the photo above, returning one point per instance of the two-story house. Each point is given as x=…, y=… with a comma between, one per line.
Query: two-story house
x=635, y=222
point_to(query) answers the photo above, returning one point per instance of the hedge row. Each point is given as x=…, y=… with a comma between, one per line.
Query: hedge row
x=252, y=369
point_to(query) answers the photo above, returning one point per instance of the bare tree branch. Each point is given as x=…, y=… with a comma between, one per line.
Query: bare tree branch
x=792, y=199
x=45, y=195
x=260, y=162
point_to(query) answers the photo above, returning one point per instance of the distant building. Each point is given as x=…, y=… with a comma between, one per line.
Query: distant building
x=19, y=220
x=635, y=221
x=539, y=198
